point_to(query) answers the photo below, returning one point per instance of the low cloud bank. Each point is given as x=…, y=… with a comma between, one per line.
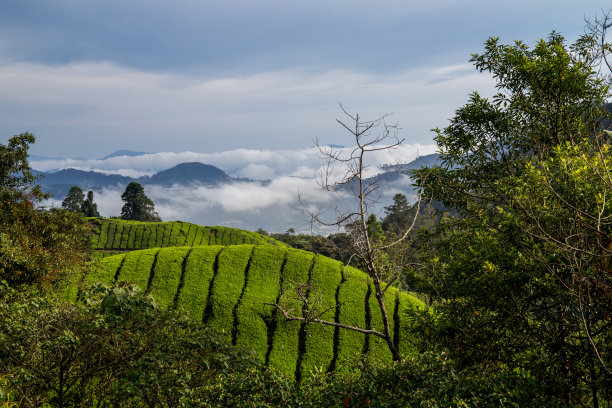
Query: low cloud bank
x=274, y=206
x=259, y=164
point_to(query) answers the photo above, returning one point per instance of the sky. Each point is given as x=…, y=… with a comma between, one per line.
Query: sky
x=91, y=77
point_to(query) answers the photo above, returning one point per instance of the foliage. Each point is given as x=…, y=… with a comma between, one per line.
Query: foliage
x=74, y=199
x=226, y=288
x=111, y=235
x=116, y=348
x=427, y=380
x=138, y=206
x=36, y=246
x=336, y=246
x=88, y=207
x=520, y=278
x=16, y=178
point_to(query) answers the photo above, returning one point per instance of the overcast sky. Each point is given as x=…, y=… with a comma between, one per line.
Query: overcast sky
x=91, y=77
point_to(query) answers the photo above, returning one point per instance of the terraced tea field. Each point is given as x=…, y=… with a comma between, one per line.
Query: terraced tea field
x=226, y=287
x=113, y=236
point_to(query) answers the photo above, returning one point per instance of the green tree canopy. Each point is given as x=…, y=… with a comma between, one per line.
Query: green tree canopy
x=36, y=246
x=74, y=199
x=518, y=277
x=138, y=206
x=88, y=207
x=16, y=178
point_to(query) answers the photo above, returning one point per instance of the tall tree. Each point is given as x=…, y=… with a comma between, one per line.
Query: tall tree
x=397, y=215
x=74, y=199
x=36, y=246
x=137, y=205
x=513, y=288
x=16, y=178
x=368, y=244
x=88, y=207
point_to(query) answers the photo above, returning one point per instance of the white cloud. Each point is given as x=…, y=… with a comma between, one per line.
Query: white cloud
x=249, y=163
x=94, y=108
x=275, y=206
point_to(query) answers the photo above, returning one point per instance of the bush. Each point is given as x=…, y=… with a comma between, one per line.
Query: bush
x=116, y=348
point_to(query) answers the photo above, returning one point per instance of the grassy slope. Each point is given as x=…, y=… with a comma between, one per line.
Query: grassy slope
x=112, y=236
x=284, y=353
x=325, y=278
x=262, y=286
x=199, y=272
x=226, y=287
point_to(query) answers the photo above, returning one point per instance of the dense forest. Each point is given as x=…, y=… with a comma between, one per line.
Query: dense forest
x=493, y=289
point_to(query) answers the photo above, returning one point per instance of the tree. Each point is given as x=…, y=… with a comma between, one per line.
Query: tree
x=114, y=348
x=37, y=247
x=74, y=199
x=137, y=205
x=596, y=39
x=518, y=277
x=368, y=241
x=88, y=207
x=16, y=178
x=397, y=215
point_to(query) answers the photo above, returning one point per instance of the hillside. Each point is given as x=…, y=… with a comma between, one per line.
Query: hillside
x=58, y=183
x=188, y=173
x=112, y=236
x=226, y=287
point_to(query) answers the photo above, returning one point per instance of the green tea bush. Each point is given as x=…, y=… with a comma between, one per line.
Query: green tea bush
x=128, y=234
x=167, y=275
x=284, y=353
x=206, y=237
x=227, y=286
x=199, y=272
x=138, y=242
x=151, y=236
x=112, y=227
x=191, y=234
x=137, y=267
x=352, y=297
x=325, y=278
x=262, y=286
x=199, y=236
x=166, y=234
x=175, y=234
x=225, y=239
x=378, y=348
x=105, y=273
x=116, y=244
x=103, y=235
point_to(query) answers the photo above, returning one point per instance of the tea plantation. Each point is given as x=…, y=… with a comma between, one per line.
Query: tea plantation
x=226, y=287
x=113, y=236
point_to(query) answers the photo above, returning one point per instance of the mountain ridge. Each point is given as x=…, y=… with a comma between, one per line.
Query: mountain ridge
x=58, y=183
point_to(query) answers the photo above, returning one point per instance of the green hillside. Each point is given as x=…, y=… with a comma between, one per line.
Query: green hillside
x=113, y=236
x=226, y=288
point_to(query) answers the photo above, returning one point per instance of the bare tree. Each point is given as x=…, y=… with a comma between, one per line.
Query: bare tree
x=597, y=30
x=346, y=170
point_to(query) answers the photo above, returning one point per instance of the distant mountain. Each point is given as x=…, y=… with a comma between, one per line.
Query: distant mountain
x=129, y=153
x=59, y=183
x=90, y=178
x=188, y=173
x=393, y=173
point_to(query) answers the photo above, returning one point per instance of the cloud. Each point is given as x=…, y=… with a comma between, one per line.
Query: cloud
x=94, y=108
x=259, y=164
x=274, y=206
